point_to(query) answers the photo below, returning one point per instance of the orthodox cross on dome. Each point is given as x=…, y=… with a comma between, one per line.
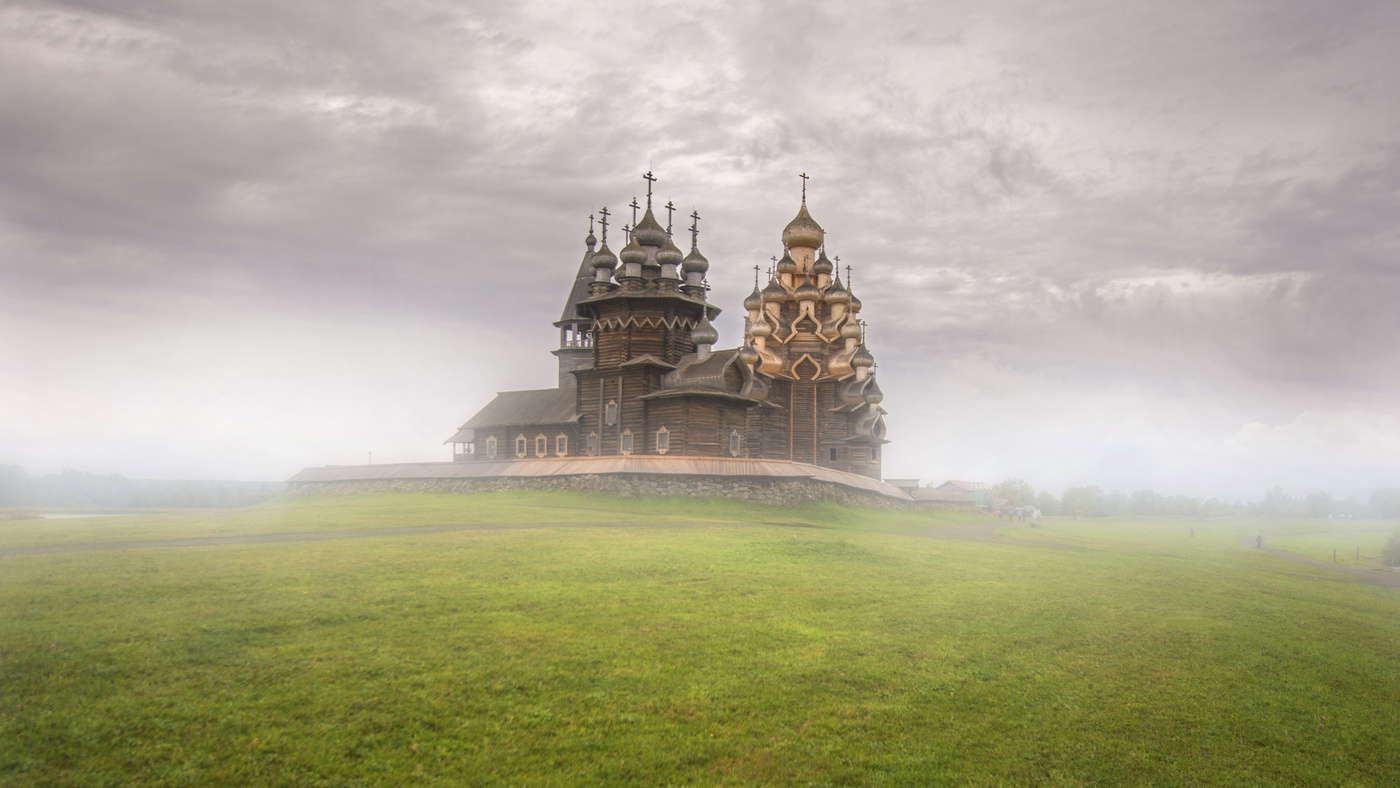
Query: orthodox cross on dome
x=627, y=232
x=803, y=176
x=848, y=274
x=635, y=206
x=670, y=209
x=695, y=228
x=590, y=224
x=604, y=222
x=755, y=277
x=650, y=179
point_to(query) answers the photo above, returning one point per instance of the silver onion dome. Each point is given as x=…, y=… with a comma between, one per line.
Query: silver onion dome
x=604, y=258
x=704, y=333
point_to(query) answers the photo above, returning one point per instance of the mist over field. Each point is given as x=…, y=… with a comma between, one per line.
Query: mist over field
x=1098, y=244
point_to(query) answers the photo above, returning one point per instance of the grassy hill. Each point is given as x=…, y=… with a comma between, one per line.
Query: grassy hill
x=685, y=642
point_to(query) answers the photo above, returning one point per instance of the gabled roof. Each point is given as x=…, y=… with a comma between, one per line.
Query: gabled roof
x=951, y=496
x=579, y=291
x=964, y=486
x=463, y=435
x=517, y=408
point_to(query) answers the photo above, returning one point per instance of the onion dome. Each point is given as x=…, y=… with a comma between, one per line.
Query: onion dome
x=855, y=303
x=754, y=301
x=822, y=265
x=704, y=333
x=787, y=265
x=748, y=355
x=850, y=330
x=695, y=262
x=774, y=292
x=649, y=232
x=803, y=230
x=760, y=327
x=862, y=358
x=837, y=293
x=591, y=240
x=632, y=253
x=807, y=292
x=669, y=254
x=604, y=258
x=873, y=394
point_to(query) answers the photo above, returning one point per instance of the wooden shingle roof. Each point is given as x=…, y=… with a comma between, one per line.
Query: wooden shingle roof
x=535, y=406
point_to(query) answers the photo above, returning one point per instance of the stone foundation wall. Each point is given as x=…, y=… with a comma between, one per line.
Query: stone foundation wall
x=770, y=491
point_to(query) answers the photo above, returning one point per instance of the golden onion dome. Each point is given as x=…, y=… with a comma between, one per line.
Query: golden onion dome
x=748, y=355
x=803, y=230
x=754, y=301
x=774, y=292
x=836, y=293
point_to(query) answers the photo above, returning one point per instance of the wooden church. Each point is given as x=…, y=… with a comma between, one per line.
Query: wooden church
x=639, y=375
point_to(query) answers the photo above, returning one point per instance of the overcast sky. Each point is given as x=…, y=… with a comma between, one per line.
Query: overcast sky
x=1139, y=245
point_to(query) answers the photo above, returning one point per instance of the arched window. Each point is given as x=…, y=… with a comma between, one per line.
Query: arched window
x=610, y=413
x=491, y=447
x=541, y=445
x=520, y=445
x=663, y=440
x=627, y=441
x=561, y=444
x=734, y=443
x=592, y=444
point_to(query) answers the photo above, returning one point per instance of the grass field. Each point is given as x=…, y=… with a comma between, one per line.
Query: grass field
x=828, y=646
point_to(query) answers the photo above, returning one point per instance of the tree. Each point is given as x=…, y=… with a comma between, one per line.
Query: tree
x=1318, y=504
x=1385, y=502
x=1390, y=554
x=1146, y=503
x=1082, y=501
x=1016, y=492
x=1047, y=503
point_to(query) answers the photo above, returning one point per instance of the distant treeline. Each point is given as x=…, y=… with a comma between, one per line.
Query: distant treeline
x=1091, y=501
x=82, y=490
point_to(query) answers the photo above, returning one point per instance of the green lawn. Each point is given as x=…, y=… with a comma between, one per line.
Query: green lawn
x=832, y=650
x=1366, y=537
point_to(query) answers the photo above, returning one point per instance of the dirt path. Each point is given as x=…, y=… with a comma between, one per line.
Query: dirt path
x=987, y=532
x=322, y=536
x=1372, y=577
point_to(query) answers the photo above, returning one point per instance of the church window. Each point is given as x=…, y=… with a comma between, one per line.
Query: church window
x=491, y=447
x=875, y=454
x=592, y=444
x=663, y=440
x=627, y=441
x=832, y=453
x=541, y=445
x=520, y=445
x=610, y=413
x=734, y=443
x=561, y=445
